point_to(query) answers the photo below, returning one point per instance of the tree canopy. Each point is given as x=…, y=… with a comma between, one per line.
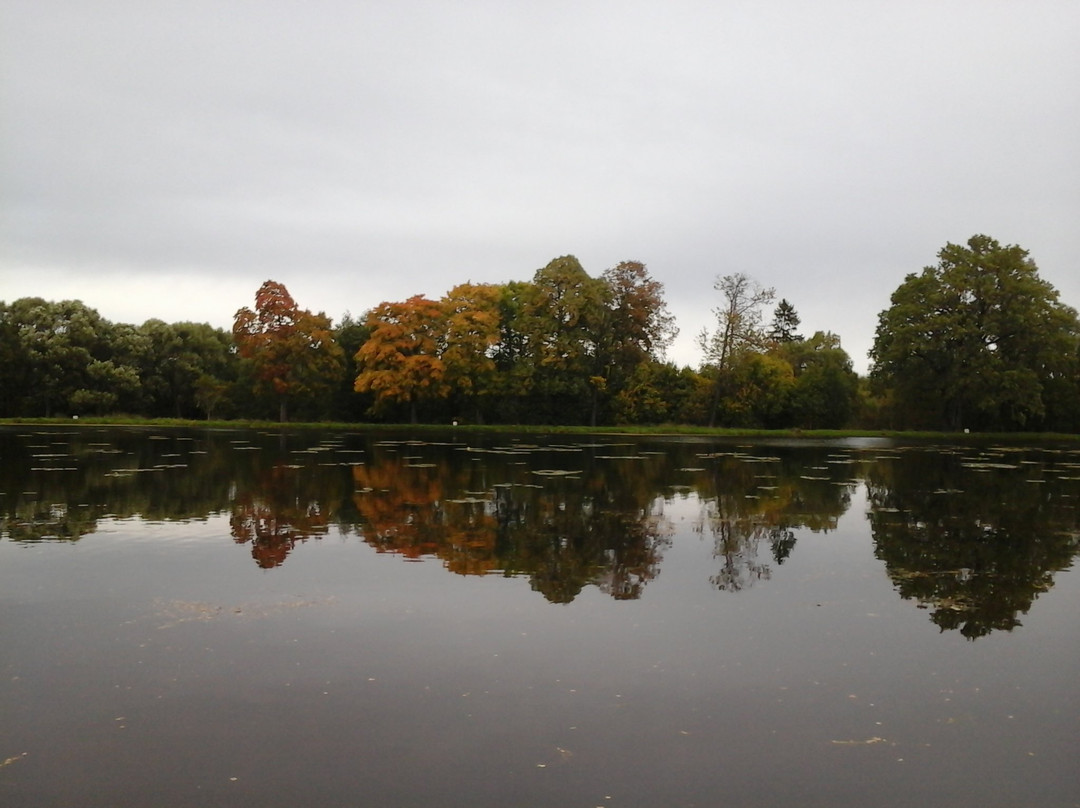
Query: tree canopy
x=977, y=341
x=292, y=351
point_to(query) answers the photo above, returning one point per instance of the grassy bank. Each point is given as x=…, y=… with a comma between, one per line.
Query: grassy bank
x=667, y=429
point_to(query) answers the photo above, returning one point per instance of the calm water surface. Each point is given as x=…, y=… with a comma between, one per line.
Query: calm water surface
x=339, y=619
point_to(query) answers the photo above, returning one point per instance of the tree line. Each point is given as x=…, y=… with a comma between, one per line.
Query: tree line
x=978, y=341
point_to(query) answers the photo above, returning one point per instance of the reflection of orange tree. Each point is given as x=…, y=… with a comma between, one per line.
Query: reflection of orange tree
x=400, y=507
x=278, y=513
x=556, y=534
x=403, y=509
x=974, y=540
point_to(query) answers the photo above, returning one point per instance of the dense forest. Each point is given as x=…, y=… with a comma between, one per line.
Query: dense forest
x=977, y=341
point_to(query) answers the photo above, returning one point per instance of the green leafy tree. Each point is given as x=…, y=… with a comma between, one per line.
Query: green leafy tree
x=350, y=334
x=61, y=341
x=825, y=391
x=515, y=366
x=978, y=340
x=16, y=380
x=176, y=357
x=292, y=351
x=210, y=394
x=562, y=321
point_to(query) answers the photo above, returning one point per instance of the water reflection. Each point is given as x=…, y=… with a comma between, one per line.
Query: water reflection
x=494, y=510
x=974, y=535
x=749, y=498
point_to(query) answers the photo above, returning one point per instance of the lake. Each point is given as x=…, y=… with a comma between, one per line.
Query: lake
x=284, y=618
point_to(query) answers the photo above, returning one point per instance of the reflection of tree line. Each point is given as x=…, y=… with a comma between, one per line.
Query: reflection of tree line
x=564, y=533
x=567, y=517
x=977, y=558
x=59, y=485
x=749, y=499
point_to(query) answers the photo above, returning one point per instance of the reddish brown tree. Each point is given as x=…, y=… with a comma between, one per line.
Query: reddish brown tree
x=293, y=351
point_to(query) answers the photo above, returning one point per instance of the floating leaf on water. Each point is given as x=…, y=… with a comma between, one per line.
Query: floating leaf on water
x=10, y=760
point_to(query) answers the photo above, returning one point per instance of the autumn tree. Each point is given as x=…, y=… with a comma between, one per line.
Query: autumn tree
x=471, y=321
x=738, y=330
x=977, y=340
x=757, y=392
x=401, y=361
x=293, y=352
x=640, y=324
x=636, y=328
x=656, y=393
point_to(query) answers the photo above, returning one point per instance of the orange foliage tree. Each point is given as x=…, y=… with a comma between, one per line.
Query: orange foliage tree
x=293, y=351
x=401, y=361
x=472, y=330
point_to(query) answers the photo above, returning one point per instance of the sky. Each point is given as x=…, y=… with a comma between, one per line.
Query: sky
x=163, y=159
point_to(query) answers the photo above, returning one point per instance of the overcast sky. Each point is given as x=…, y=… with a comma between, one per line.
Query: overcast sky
x=163, y=159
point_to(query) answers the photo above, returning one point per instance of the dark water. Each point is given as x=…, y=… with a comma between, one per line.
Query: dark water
x=253, y=619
